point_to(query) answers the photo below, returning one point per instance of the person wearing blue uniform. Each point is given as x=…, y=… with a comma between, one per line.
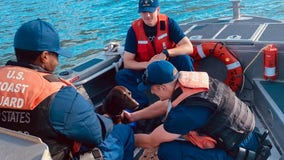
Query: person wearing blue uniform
x=36, y=102
x=203, y=118
x=153, y=37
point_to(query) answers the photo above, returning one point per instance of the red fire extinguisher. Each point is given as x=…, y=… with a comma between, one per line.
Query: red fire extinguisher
x=270, y=60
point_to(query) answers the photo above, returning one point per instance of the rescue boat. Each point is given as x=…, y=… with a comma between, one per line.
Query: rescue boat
x=243, y=51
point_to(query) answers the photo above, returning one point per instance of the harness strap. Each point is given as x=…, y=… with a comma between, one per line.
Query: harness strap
x=51, y=78
x=186, y=93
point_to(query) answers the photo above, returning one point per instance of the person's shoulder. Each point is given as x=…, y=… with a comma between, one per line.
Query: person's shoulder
x=130, y=32
x=171, y=20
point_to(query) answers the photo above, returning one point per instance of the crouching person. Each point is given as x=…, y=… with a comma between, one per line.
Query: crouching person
x=36, y=102
x=203, y=118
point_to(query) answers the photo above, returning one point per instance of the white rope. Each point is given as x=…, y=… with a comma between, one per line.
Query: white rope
x=248, y=67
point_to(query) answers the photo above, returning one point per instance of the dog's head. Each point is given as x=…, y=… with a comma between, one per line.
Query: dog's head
x=118, y=99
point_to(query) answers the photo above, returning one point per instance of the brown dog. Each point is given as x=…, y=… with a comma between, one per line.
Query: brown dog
x=118, y=99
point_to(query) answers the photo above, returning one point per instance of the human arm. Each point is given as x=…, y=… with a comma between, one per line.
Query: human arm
x=130, y=50
x=131, y=63
x=75, y=117
x=154, y=139
x=156, y=109
x=183, y=44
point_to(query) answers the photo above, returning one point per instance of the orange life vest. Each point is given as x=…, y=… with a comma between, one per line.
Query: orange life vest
x=199, y=89
x=23, y=88
x=192, y=83
x=25, y=96
x=145, y=50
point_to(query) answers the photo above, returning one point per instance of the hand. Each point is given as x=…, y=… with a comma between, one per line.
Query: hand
x=126, y=117
x=158, y=57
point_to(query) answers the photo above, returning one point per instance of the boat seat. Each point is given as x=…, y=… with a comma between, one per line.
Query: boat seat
x=273, y=89
x=270, y=106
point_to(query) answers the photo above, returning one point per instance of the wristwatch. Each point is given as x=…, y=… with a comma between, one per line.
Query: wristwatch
x=165, y=51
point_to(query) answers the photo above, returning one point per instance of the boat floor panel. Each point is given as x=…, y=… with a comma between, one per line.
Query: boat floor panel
x=272, y=33
x=230, y=33
x=202, y=31
x=239, y=31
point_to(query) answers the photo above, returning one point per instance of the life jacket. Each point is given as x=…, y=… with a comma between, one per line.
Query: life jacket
x=145, y=49
x=24, y=104
x=232, y=119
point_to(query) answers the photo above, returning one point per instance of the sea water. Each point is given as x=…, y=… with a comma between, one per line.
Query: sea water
x=85, y=26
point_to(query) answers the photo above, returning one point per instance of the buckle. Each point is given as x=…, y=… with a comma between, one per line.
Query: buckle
x=97, y=154
x=94, y=154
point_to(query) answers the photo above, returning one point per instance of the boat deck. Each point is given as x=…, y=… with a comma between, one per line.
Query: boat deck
x=248, y=30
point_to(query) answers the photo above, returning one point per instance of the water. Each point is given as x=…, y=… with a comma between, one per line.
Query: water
x=85, y=26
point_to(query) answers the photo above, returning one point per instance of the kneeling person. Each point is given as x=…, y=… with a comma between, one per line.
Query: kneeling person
x=48, y=107
x=201, y=110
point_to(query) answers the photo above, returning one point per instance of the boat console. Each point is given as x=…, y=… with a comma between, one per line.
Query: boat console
x=16, y=145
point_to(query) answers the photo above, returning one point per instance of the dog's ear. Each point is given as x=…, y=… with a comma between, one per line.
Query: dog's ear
x=129, y=102
x=113, y=102
x=118, y=99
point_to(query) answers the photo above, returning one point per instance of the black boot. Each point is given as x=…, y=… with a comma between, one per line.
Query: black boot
x=265, y=146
